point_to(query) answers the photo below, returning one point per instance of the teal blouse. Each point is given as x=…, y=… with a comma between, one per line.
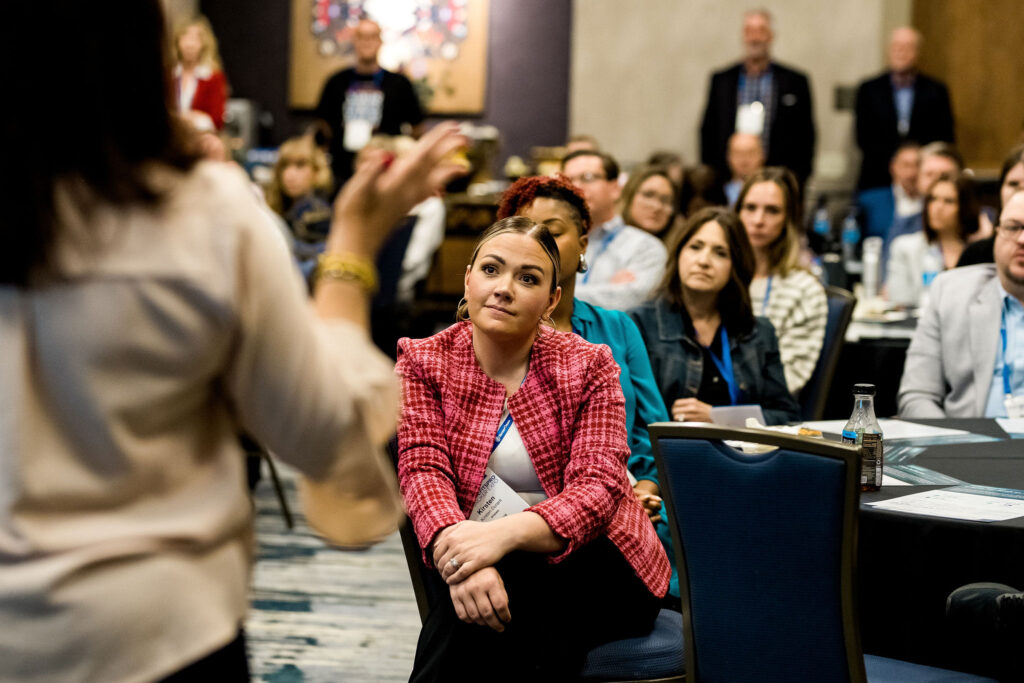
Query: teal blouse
x=643, y=399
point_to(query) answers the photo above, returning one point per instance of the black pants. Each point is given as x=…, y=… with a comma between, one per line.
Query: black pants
x=559, y=612
x=226, y=665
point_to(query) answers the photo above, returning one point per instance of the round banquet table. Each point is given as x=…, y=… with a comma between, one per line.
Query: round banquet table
x=908, y=564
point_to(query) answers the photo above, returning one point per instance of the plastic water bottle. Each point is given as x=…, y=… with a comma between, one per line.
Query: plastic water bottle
x=851, y=238
x=863, y=430
x=821, y=228
x=871, y=258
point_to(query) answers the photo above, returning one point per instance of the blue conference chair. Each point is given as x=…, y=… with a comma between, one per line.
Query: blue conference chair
x=766, y=548
x=814, y=395
x=654, y=658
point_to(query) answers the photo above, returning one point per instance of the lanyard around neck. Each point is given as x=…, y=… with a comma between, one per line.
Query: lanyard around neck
x=601, y=248
x=724, y=365
x=767, y=293
x=1007, y=367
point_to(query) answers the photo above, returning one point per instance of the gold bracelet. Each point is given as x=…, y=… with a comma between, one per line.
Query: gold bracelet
x=350, y=267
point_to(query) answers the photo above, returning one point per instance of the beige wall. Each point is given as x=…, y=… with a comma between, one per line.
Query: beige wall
x=640, y=69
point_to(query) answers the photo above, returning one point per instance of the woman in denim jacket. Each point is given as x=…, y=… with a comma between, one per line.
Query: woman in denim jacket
x=705, y=345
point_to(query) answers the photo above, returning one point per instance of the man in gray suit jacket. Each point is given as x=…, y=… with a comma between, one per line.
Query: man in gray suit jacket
x=955, y=364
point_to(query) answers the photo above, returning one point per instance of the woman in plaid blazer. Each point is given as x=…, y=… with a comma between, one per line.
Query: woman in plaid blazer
x=530, y=593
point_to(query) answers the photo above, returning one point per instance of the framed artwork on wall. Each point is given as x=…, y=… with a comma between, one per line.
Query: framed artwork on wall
x=440, y=45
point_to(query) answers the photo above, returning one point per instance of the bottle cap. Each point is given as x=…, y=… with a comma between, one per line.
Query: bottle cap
x=864, y=389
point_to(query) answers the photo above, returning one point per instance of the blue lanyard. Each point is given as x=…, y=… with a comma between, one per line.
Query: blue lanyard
x=1007, y=368
x=600, y=250
x=767, y=293
x=506, y=425
x=724, y=365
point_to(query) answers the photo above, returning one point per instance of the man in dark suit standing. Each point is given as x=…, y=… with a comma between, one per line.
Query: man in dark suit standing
x=901, y=104
x=762, y=97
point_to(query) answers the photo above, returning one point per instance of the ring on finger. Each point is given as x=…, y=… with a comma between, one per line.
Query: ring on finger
x=454, y=564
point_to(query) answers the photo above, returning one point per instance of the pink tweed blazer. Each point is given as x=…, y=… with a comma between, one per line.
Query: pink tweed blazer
x=571, y=416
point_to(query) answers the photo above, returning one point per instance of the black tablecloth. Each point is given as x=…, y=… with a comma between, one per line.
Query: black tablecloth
x=876, y=361
x=908, y=564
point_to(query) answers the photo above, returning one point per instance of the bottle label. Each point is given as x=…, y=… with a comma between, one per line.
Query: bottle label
x=871, y=467
x=849, y=436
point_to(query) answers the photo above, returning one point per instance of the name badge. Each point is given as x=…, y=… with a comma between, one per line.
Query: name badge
x=750, y=118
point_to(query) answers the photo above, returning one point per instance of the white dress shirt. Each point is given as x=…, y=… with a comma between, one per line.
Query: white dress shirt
x=632, y=257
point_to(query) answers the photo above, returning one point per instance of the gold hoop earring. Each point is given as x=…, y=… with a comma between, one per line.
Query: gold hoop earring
x=462, y=310
x=583, y=266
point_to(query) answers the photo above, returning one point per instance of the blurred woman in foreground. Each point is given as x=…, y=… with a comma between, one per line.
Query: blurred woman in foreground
x=148, y=312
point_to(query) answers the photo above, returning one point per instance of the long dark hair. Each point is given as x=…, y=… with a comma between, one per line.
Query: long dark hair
x=90, y=107
x=967, y=207
x=734, y=299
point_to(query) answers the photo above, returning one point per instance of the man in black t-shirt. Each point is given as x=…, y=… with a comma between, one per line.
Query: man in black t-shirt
x=365, y=100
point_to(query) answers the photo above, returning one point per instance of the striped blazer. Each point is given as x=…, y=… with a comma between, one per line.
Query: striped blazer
x=571, y=416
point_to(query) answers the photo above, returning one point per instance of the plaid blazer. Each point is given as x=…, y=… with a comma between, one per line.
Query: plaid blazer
x=571, y=416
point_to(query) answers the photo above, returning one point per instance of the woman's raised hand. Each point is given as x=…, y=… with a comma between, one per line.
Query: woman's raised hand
x=384, y=189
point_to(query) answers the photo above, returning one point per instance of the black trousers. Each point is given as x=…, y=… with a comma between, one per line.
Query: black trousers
x=559, y=612
x=229, y=664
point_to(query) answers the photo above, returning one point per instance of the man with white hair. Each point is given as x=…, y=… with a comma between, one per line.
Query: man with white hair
x=899, y=105
x=762, y=97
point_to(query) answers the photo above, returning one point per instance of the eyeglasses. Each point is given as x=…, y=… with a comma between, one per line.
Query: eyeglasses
x=586, y=178
x=652, y=196
x=1011, y=229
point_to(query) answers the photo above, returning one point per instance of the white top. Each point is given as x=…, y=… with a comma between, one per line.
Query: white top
x=634, y=259
x=911, y=259
x=125, y=524
x=427, y=235
x=511, y=461
x=798, y=310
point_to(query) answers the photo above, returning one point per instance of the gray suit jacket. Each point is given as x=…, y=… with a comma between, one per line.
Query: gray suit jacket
x=951, y=360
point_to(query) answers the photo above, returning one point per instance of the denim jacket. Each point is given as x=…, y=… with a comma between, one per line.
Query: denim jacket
x=678, y=363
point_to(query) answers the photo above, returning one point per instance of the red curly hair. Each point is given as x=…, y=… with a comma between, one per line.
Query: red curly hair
x=523, y=191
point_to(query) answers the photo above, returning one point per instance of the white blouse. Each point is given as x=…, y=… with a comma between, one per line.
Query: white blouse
x=125, y=524
x=512, y=463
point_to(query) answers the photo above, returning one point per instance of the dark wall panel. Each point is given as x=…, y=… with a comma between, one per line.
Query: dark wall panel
x=528, y=67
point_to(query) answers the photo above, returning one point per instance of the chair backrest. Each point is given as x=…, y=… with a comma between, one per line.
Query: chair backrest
x=765, y=547
x=814, y=395
x=427, y=585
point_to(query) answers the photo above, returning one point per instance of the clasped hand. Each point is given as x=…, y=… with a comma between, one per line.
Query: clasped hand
x=477, y=591
x=473, y=545
x=690, y=410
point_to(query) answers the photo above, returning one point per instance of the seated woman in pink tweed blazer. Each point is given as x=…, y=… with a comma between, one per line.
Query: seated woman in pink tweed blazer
x=581, y=564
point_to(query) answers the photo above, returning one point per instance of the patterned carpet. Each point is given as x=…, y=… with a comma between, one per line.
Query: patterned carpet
x=323, y=615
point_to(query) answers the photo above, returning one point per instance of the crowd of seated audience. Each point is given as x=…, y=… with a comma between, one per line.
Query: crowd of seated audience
x=592, y=308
